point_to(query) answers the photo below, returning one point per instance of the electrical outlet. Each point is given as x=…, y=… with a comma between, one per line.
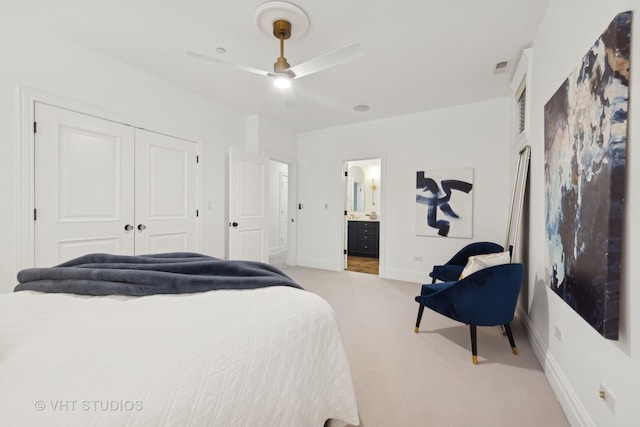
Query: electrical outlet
x=558, y=334
x=417, y=258
x=608, y=398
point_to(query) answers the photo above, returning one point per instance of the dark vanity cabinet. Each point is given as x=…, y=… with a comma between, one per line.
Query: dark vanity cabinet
x=363, y=238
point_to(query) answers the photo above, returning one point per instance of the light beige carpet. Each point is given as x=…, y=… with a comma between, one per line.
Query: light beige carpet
x=404, y=379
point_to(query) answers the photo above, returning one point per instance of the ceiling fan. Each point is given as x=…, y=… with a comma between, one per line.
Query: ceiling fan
x=279, y=16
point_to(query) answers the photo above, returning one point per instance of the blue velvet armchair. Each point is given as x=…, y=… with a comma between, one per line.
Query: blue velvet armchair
x=451, y=270
x=485, y=298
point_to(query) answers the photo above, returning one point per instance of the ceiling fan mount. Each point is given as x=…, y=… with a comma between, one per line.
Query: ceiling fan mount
x=267, y=14
x=282, y=31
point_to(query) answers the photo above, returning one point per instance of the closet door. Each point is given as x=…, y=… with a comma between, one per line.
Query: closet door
x=84, y=186
x=166, y=194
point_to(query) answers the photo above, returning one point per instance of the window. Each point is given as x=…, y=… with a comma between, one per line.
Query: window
x=520, y=110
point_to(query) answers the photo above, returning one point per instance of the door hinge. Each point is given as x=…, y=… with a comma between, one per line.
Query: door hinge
x=344, y=252
x=345, y=213
x=35, y=214
x=35, y=127
x=197, y=213
x=346, y=173
x=197, y=159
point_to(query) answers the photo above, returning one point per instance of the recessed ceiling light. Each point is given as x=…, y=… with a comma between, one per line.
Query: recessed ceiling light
x=221, y=50
x=361, y=108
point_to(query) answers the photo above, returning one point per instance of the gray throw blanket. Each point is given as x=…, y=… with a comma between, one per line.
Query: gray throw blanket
x=169, y=273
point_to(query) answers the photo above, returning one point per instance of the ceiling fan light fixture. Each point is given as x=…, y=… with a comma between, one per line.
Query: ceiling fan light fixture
x=282, y=81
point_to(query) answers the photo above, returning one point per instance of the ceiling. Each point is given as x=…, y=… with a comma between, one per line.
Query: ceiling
x=418, y=54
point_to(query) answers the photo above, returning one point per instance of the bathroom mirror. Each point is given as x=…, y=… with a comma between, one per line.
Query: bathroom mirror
x=356, y=188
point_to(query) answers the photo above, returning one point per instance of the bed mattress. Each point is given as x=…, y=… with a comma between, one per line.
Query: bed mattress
x=261, y=357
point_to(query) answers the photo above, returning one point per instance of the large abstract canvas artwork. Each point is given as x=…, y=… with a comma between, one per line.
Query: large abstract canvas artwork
x=585, y=132
x=444, y=203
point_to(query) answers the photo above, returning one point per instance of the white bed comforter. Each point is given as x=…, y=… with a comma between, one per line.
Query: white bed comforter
x=262, y=357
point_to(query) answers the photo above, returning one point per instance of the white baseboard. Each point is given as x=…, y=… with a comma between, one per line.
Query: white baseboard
x=274, y=251
x=322, y=264
x=573, y=408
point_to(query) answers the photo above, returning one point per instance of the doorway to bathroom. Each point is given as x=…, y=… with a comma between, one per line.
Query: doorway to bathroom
x=362, y=215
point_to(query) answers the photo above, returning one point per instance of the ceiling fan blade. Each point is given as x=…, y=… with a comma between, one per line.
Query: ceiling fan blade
x=228, y=64
x=328, y=60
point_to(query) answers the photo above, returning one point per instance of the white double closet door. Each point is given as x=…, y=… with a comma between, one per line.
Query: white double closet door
x=102, y=186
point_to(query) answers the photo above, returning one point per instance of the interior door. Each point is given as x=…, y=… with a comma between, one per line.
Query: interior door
x=247, y=206
x=166, y=194
x=84, y=186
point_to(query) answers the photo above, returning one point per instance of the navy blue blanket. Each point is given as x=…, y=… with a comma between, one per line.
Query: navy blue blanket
x=169, y=273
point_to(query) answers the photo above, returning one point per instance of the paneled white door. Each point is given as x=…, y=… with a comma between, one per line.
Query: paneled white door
x=84, y=193
x=247, y=206
x=102, y=186
x=166, y=194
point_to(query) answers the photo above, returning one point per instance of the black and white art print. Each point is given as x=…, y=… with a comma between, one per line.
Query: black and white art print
x=444, y=203
x=585, y=132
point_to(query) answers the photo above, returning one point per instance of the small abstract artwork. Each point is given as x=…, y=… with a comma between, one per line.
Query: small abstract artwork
x=444, y=203
x=585, y=133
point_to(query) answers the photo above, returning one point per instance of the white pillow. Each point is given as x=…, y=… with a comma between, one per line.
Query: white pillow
x=478, y=262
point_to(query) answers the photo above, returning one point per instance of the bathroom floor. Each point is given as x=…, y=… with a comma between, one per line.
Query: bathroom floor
x=362, y=264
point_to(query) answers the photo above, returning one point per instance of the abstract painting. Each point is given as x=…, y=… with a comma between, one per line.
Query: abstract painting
x=444, y=203
x=585, y=134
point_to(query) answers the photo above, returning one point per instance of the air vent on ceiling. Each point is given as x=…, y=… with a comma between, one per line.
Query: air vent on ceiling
x=501, y=67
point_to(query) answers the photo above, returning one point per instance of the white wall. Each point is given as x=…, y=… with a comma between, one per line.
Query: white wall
x=54, y=65
x=475, y=135
x=582, y=359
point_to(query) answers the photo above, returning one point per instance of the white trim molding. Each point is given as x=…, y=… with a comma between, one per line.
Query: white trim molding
x=573, y=408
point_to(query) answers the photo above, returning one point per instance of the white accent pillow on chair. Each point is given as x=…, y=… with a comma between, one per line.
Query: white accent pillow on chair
x=478, y=262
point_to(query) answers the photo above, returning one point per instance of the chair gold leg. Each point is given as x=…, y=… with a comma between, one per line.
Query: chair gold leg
x=474, y=344
x=420, y=311
x=507, y=329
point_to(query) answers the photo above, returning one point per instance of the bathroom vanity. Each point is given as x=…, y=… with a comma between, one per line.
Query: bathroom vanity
x=363, y=238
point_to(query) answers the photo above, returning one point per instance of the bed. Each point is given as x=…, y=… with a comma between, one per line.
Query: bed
x=265, y=356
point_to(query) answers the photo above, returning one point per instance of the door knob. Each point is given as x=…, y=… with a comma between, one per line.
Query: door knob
x=235, y=224
x=141, y=227
x=128, y=227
